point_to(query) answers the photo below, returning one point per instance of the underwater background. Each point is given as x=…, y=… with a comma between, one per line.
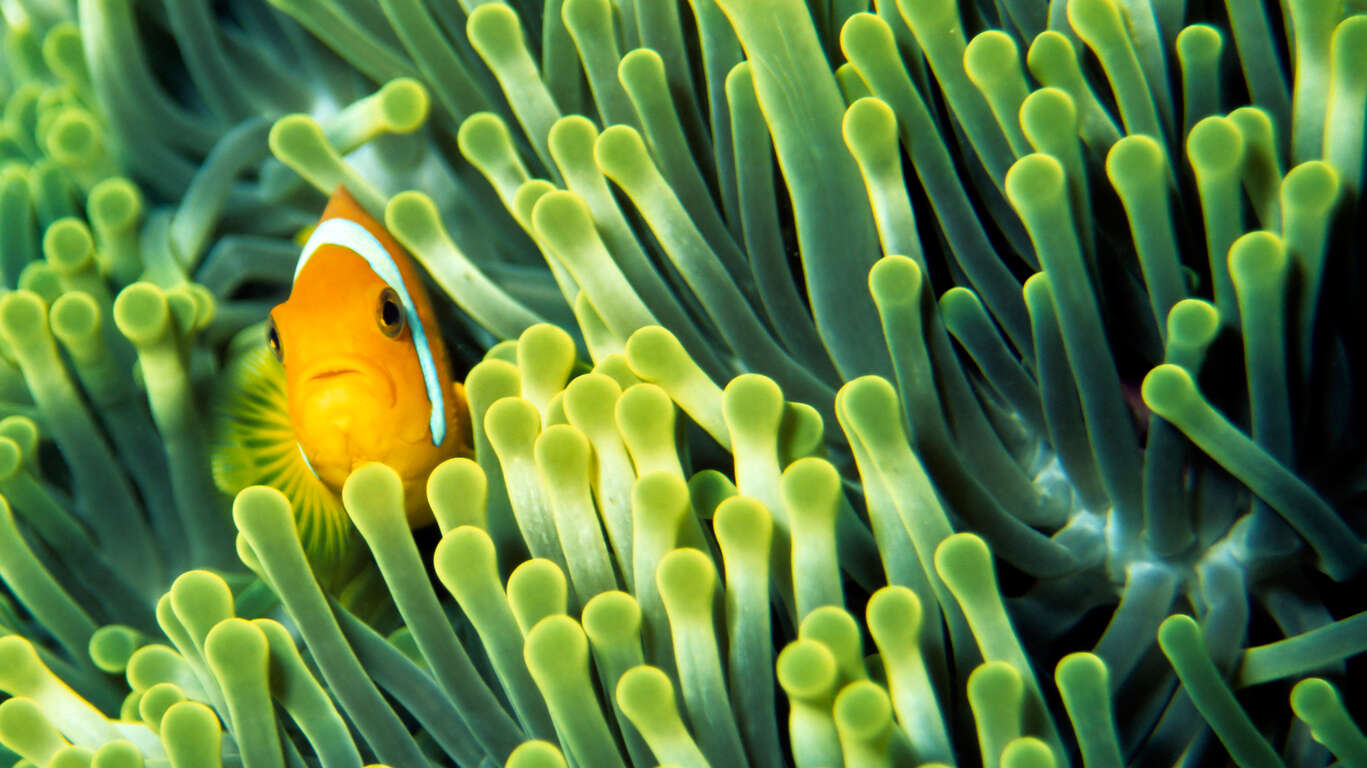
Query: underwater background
x=853, y=383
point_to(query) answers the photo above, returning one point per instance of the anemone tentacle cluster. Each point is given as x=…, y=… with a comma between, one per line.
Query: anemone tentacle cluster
x=838, y=372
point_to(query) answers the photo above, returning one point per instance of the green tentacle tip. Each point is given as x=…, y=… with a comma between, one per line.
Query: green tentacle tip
x=403, y=104
x=264, y=510
x=563, y=220
x=1193, y=322
x=1027, y=752
x=996, y=684
x=75, y=319
x=1215, y=147
x=965, y=563
x=752, y=405
x=811, y=490
x=744, y=529
x=298, y=139
x=237, y=651
x=200, y=600
x=1317, y=703
x=1198, y=43
x=645, y=417
x=111, y=647
x=157, y=701
x=687, y=580
x=571, y=137
x=807, y=670
x=114, y=205
x=647, y=699
x=556, y=651
x=992, y=61
x=1096, y=20
x=466, y=562
x=23, y=431
x=536, y=754
x=655, y=354
x=1035, y=181
x=1168, y=390
x=611, y=618
x=1135, y=163
x=1046, y=113
x=1258, y=258
x=835, y=628
x=562, y=456
x=621, y=156
x=74, y=138
x=894, y=619
x=929, y=15
x=495, y=32
x=512, y=425
x=71, y=757
x=863, y=712
x=484, y=140
x=870, y=131
x=536, y=589
x=1312, y=187
x=62, y=49
x=192, y=735
x=23, y=317
x=373, y=497
x=413, y=218
x=142, y=313
x=11, y=458
x=26, y=730
x=1081, y=671
x=640, y=69
x=117, y=754
x=457, y=491
x=895, y=282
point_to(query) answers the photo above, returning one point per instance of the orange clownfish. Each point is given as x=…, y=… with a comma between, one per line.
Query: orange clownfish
x=367, y=376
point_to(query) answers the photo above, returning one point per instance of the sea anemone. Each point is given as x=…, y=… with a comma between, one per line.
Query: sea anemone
x=837, y=371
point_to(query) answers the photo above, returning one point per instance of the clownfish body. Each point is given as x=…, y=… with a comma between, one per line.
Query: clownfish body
x=367, y=376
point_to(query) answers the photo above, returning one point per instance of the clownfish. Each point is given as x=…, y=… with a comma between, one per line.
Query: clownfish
x=352, y=370
x=367, y=375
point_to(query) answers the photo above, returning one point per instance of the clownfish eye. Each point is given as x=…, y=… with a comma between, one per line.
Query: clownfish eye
x=273, y=340
x=389, y=314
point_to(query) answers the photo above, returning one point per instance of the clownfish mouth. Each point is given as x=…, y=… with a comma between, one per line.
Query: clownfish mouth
x=336, y=371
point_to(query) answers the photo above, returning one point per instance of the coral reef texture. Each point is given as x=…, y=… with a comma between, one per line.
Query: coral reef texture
x=852, y=382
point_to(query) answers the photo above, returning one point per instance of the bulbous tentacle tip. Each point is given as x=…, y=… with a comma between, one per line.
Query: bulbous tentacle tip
x=965, y=563
x=373, y=497
x=22, y=673
x=404, y=103
x=465, y=557
x=457, y=490
x=687, y=580
x=483, y=135
x=1027, y=752
x=1215, y=147
x=1167, y=389
x=863, y=711
x=494, y=30
x=536, y=754
x=894, y=617
x=556, y=650
x=1035, y=181
x=260, y=505
x=142, y=313
x=1193, y=322
x=806, y=670
x=611, y=617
